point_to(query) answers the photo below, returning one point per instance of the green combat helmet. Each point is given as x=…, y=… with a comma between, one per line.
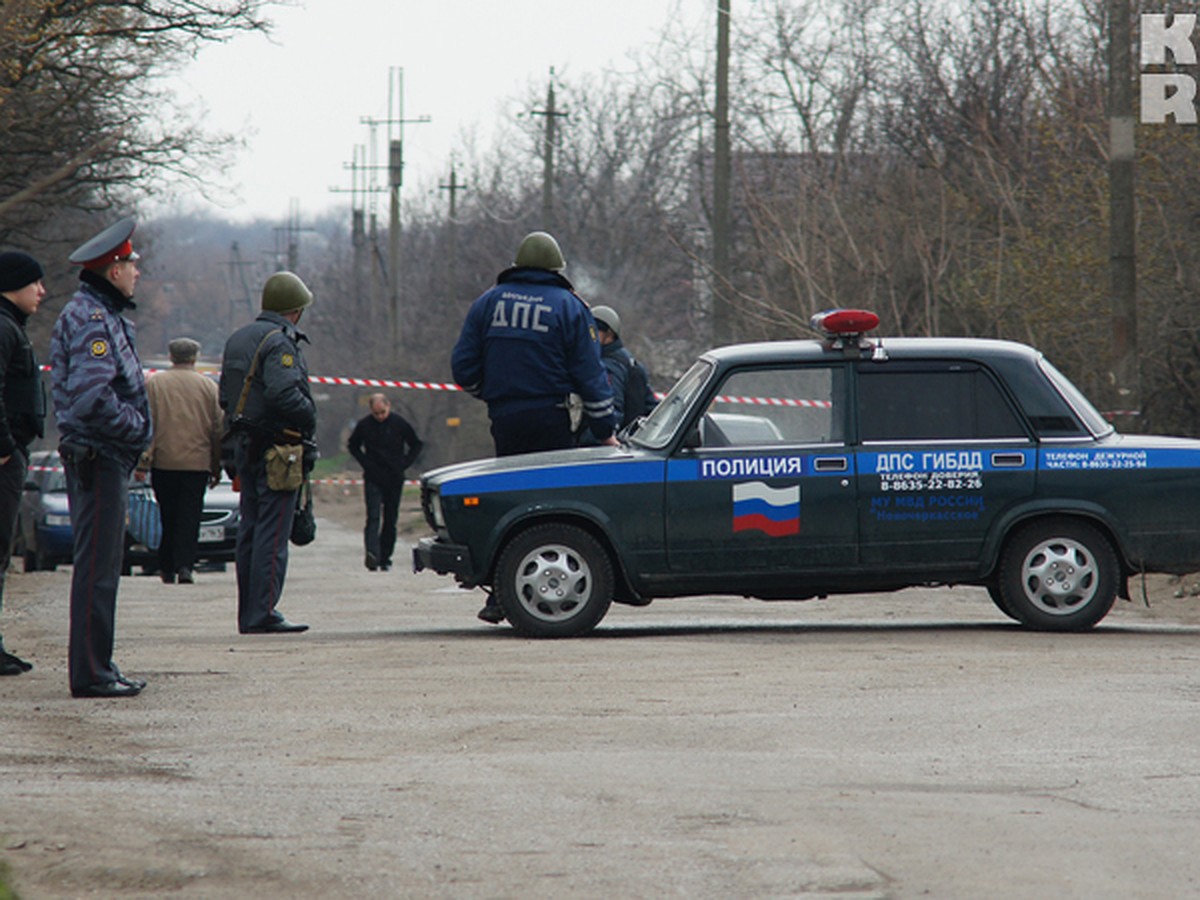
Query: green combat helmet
x=284, y=292
x=608, y=316
x=540, y=251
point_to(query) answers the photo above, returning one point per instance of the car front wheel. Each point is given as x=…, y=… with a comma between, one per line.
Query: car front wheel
x=1059, y=575
x=554, y=580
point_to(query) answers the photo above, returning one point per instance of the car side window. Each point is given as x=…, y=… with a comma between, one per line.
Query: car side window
x=762, y=407
x=935, y=402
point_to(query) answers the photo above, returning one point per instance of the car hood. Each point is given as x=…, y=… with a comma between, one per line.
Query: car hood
x=477, y=474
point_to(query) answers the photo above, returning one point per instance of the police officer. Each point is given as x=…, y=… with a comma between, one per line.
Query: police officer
x=632, y=394
x=266, y=399
x=527, y=345
x=104, y=425
x=22, y=405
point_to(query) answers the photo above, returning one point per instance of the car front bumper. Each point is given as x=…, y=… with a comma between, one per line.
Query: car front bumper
x=443, y=557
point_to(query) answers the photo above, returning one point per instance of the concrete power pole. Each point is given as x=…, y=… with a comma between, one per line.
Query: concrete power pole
x=453, y=187
x=723, y=324
x=1122, y=223
x=549, y=142
x=395, y=123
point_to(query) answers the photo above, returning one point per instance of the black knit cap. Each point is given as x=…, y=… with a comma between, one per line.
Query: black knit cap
x=18, y=270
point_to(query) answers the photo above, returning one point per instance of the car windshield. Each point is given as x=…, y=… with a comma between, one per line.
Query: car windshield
x=1094, y=420
x=657, y=429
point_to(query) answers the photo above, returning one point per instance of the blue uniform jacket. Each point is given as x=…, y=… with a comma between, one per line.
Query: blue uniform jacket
x=97, y=385
x=527, y=343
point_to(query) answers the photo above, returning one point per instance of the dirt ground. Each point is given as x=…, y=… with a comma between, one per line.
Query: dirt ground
x=914, y=744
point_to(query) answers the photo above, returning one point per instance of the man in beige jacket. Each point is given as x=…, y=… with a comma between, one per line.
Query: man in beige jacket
x=185, y=456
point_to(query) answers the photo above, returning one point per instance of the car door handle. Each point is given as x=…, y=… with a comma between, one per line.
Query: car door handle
x=1008, y=460
x=831, y=464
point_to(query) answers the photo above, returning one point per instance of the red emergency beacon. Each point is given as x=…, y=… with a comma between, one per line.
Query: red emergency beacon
x=844, y=322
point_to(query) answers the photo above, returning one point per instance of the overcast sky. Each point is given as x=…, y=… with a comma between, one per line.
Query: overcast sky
x=300, y=98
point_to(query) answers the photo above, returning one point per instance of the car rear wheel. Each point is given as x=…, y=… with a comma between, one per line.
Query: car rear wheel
x=1059, y=575
x=554, y=580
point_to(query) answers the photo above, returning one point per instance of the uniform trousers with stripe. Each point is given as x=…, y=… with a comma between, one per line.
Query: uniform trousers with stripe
x=98, y=528
x=264, y=529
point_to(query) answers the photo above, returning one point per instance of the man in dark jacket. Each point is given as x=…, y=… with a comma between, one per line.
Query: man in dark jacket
x=22, y=405
x=265, y=394
x=528, y=348
x=384, y=444
x=632, y=394
x=103, y=426
x=526, y=345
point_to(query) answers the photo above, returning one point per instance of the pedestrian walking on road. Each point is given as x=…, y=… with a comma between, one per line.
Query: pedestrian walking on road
x=385, y=445
x=104, y=426
x=184, y=458
x=22, y=405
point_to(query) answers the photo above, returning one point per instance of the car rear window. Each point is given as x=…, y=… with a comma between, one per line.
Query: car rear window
x=933, y=402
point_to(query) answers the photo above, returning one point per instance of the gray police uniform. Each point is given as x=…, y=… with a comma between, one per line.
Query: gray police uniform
x=104, y=425
x=279, y=408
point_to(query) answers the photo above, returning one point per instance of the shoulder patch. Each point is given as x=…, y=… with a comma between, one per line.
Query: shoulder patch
x=287, y=360
x=99, y=348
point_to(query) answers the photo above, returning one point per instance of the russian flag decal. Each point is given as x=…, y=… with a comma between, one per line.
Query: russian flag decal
x=757, y=507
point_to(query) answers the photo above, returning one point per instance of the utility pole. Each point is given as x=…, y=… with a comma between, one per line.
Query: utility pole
x=723, y=330
x=237, y=278
x=1122, y=222
x=549, y=142
x=359, y=192
x=395, y=123
x=287, y=239
x=453, y=187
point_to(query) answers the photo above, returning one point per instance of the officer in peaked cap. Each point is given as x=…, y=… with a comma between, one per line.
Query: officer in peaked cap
x=104, y=425
x=112, y=244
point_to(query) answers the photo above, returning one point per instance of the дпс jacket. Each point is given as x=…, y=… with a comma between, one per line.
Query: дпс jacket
x=527, y=343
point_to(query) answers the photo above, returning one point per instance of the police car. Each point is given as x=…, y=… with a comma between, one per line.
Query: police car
x=799, y=469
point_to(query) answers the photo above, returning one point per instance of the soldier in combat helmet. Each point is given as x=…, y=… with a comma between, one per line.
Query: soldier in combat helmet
x=266, y=398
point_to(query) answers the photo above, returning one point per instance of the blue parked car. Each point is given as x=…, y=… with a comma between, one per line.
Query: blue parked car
x=43, y=523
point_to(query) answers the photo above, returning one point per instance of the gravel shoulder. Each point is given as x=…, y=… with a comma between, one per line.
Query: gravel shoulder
x=914, y=744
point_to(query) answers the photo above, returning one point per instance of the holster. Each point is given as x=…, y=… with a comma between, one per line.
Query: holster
x=81, y=459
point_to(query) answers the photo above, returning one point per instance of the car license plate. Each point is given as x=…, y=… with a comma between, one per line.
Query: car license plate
x=211, y=534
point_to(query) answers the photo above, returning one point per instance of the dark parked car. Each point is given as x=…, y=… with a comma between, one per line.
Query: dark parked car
x=218, y=527
x=797, y=469
x=43, y=538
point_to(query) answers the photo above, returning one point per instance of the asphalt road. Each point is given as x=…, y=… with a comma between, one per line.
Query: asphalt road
x=906, y=745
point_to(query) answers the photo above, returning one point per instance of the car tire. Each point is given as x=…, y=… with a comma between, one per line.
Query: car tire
x=554, y=580
x=1059, y=575
x=997, y=596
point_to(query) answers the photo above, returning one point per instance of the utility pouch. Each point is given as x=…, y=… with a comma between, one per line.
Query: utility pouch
x=285, y=466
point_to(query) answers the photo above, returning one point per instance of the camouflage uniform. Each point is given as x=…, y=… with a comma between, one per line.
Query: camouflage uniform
x=104, y=425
